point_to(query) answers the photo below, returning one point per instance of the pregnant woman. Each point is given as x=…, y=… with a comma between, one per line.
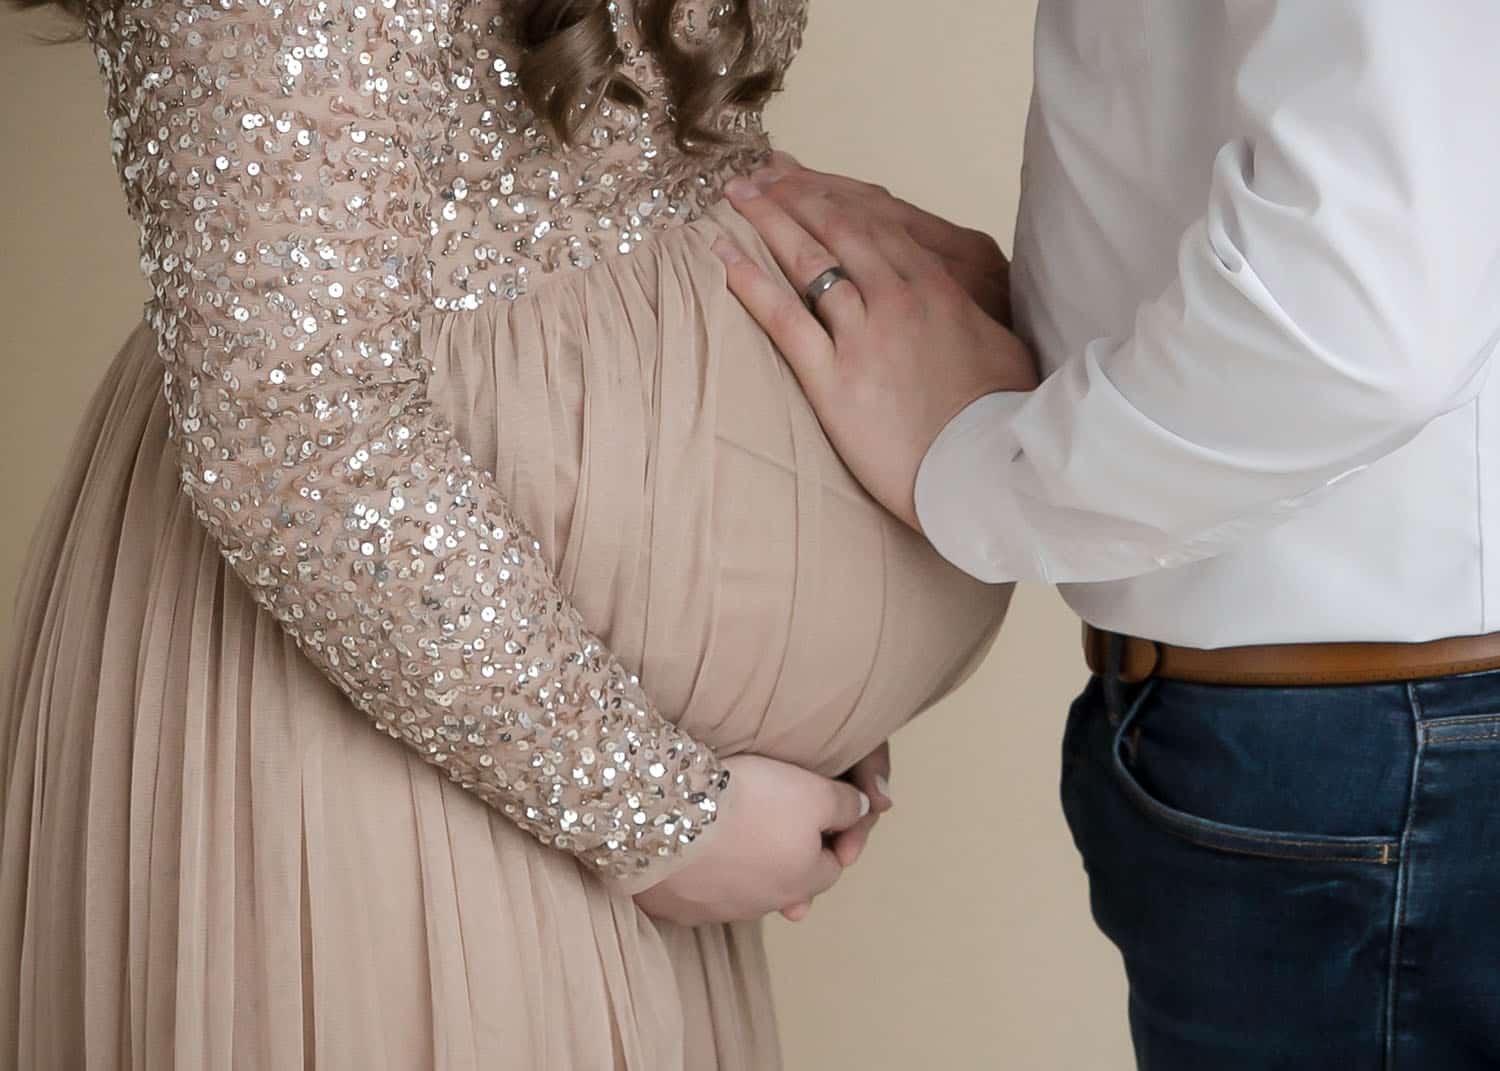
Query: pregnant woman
x=438, y=366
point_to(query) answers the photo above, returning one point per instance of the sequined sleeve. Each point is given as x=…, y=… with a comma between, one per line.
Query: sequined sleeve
x=275, y=154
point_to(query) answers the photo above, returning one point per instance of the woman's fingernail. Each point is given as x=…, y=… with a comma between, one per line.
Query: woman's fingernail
x=742, y=189
x=884, y=787
x=864, y=805
x=727, y=251
x=765, y=178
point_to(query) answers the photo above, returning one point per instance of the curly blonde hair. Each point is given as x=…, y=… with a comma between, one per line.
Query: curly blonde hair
x=571, y=62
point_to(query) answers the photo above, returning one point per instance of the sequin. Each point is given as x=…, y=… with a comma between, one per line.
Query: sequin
x=311, y=178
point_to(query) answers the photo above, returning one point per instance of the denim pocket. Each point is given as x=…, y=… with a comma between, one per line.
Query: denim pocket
x=1227, y=837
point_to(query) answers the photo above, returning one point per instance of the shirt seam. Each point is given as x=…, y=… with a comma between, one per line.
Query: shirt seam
x=1479, y=474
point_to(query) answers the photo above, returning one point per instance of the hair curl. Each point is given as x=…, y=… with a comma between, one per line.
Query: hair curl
x=571, y=62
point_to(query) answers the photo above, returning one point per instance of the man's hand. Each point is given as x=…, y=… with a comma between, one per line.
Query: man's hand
x=972, y=257
x=894, y=354
x=768, y=851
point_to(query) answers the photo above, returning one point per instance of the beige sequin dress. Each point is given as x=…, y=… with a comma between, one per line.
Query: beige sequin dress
x=435, y=427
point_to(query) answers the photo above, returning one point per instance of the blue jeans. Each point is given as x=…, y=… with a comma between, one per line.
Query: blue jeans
x=1296, y=878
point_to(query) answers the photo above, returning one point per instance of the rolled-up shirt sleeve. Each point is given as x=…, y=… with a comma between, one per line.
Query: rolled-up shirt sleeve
x=1338, y=294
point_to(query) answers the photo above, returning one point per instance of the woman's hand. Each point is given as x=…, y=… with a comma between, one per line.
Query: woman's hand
x=768, y=850
x=872, y=776
x=894, y=353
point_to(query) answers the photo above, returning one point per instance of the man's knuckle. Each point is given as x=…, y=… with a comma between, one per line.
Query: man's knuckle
x=949, y=293
x=789, y=191
x=784, y=319
x=905, y=303
x=779, y=194
x=982, y=246
x=844, y=227
x=810, y=262
x=809, y=183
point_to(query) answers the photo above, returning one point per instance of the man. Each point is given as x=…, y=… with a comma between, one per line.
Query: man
x=1258, y=259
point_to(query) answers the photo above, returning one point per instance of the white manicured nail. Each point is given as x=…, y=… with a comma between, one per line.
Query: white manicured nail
x=864, y=805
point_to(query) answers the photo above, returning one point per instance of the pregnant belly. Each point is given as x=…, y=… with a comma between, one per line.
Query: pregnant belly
x=659, y=448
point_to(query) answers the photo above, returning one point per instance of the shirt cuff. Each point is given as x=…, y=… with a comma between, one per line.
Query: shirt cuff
x=964, y=503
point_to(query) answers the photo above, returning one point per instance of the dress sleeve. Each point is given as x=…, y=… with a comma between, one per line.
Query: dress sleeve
x=277, y=155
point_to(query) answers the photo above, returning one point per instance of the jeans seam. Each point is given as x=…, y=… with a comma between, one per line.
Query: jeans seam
x=1403, y=878
x=1479, y=532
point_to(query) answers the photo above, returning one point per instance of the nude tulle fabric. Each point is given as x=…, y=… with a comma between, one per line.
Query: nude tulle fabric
x=210, y=860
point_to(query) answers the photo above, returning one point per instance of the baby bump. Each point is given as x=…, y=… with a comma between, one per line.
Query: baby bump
x=659, y=448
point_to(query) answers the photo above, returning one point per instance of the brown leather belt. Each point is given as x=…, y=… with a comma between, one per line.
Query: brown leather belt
x=1297, y=664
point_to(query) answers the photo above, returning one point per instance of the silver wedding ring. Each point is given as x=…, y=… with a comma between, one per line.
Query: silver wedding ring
x=821, y=285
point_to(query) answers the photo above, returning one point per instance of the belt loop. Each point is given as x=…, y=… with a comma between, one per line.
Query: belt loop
x=1114, y=686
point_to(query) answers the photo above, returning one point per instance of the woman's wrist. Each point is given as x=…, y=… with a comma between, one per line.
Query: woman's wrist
x=685, y=846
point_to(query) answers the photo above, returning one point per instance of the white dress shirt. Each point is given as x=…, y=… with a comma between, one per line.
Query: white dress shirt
x=1258, y=256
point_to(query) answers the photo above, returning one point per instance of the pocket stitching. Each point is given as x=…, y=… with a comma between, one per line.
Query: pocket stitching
x=1206, y=833
x=1462, y=719
x=1448, y=738
x=1220, y=836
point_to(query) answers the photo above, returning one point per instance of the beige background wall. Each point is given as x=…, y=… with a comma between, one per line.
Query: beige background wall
x=962, y=940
